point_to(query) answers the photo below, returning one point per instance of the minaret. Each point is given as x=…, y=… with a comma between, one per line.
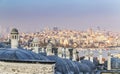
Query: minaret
x=100, y=56
x=109, y=61
x=36, y=45
x=14, y=38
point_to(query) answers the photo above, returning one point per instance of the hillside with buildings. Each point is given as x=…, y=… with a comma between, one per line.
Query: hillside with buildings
x=72, y=38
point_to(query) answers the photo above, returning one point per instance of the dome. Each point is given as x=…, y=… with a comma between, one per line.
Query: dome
x=14, y=31
x=2, y=45
x=66, y=66
x=61, y=65
x=89, y=63
x=36, y=40
x=20, y=54
x=82, y=67
x=73, y=67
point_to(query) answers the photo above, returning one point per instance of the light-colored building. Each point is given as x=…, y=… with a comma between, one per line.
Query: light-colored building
x=21, y=61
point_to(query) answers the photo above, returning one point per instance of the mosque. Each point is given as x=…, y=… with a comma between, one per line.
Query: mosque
x=15, y=60
x=50, y=60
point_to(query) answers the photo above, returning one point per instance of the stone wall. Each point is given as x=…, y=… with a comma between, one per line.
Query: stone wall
x=26, y=68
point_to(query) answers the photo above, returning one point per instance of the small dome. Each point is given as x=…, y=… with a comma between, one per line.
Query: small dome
x=14, y=31
x=36, y=40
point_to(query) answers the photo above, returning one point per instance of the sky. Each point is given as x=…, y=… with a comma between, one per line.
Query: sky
x=34, y=15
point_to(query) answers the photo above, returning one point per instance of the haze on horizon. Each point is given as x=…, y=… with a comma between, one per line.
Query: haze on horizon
x=32, y=15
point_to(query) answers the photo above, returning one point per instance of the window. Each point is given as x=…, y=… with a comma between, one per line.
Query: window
x=15, y=37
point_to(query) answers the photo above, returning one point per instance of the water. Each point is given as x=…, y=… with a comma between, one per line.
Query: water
x=85, y=52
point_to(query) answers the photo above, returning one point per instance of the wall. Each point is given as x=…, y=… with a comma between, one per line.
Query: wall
x=26, y=68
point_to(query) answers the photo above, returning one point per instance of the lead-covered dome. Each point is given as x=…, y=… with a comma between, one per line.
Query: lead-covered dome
x=14, y=31
x=66, y=66
x=20, y=54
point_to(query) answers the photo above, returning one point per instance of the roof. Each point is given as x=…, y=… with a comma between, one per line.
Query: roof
x=20, y=54
x=66, y=66
x=29, y=61
x=3, y=45
x=14, y=31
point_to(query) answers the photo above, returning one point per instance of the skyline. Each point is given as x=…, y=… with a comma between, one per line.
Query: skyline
x=66, y=14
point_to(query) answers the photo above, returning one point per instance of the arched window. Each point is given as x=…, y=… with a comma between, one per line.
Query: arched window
x=15, y=36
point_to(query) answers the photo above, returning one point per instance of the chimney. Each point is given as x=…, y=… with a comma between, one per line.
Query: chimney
x=14, y=38
x=100, y=56
x=109, y=61
x=91, y=56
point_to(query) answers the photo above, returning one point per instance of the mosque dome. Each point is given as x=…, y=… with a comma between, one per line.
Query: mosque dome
x=14, y=31
x=89, y=63
x=20, y=54
x=61, y=65
x=66, y=66
x=82, y=67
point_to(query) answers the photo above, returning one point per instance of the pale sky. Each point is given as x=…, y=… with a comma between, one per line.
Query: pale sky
x=32, y=15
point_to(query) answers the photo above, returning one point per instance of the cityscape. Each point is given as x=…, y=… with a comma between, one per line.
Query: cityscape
x=59, y=37
x=69, y=38
x=99, y=50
